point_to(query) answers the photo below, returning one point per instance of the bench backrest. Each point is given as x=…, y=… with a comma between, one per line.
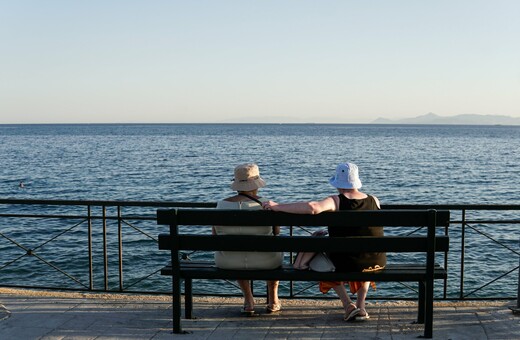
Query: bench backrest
x=347, y=219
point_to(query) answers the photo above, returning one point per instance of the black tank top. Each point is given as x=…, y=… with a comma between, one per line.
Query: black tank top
x=357, y=261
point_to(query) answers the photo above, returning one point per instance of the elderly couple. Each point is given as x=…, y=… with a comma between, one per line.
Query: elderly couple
x=246, y=183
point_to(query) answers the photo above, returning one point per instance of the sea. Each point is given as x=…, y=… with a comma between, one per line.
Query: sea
x=400, y=164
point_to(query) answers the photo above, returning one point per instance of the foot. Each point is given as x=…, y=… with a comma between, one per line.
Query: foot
x=351, y=313
x=247, y=310
x=362, y=315
x=273, y=308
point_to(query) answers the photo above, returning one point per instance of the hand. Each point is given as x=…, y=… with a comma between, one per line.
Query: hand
x=269, y=205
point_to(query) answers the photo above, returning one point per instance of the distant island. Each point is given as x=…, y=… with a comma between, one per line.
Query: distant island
x=464, y=119
x=427, y=119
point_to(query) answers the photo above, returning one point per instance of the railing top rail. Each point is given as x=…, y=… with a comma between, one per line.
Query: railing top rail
x=112, y=203
x=214, y=204
x=453, y=206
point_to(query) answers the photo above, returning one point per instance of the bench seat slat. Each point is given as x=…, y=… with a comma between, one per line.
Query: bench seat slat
x=210, y=263
x=207, y=270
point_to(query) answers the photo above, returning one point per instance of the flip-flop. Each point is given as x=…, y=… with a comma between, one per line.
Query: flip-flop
x=363, y=317
x=274, y=308
x=247, y=311
x=352, y=315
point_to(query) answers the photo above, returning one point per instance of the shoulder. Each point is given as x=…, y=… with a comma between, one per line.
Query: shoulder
x=376, y=200
x=332, y=202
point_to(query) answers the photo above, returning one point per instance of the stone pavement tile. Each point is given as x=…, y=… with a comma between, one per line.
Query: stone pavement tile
x=69, y=335
x=497, y=324
x=33, y=318
x=293, y=334
x=37, y=318
x=203, y=325
x=220, y=333
x=296, y=335
x=468, y=326
x=396, y=320
x=25, y=333
x=138, y=317
x=53, y=317
x=81, y=321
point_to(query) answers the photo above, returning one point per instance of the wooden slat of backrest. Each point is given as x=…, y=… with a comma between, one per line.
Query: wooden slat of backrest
x=261, y=217
x=302, y=243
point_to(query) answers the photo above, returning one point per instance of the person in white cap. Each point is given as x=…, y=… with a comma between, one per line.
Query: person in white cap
x=347, y=182
x=246, y=183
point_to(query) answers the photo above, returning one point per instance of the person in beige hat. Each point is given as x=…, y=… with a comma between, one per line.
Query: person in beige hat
x=346, y=180
x=246, y=183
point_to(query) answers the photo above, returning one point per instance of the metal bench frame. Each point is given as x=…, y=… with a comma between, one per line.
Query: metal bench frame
x=423, y=272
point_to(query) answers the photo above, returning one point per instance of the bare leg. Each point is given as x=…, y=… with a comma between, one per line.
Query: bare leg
x=272, y=293
x=249, y=301
x=361, y=296
x=350, y=308
x=343, y=296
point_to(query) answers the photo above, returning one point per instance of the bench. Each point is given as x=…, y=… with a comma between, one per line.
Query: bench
x=424, y=271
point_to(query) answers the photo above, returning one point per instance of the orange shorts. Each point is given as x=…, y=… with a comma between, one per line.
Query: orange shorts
x=325, y=286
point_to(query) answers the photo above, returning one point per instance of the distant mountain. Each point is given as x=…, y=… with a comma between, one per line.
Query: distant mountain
x=465, y=119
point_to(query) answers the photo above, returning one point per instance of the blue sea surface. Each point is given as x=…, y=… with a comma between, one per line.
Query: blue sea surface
x=400, y=164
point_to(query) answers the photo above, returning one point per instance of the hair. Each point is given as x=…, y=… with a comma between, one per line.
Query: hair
x=346, y=190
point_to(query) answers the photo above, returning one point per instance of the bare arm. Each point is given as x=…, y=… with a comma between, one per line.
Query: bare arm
x=313, y=207
x=377, y=202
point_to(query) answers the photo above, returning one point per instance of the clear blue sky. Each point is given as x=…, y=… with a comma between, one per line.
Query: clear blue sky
x=94, y=61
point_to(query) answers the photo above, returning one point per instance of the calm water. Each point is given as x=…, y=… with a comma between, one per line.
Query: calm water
x=399, y=164
x=194, y=163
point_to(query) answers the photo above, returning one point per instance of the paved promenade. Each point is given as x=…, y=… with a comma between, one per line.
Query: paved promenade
x=28, y=314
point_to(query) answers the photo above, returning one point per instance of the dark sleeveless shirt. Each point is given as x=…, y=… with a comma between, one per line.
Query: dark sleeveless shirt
x=356, y=261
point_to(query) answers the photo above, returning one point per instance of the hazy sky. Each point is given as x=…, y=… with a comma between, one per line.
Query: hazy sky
x=267, y=60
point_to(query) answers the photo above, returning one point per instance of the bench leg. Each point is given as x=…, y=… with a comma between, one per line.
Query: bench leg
x=420, y=311
x=188, y=299
x=425, y=311
x=176, y=306
x=428, y=310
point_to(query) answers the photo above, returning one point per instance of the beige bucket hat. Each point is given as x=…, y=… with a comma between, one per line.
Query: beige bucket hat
x=247, y=178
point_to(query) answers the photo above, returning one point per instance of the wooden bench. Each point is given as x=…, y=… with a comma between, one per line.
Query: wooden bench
x=424, y=271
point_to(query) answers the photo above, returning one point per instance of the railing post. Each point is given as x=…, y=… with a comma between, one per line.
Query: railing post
x=105, y=252
x=516, y=309
x=429, y=283
x=120, y=237
x=518, y=290
x=89, y=231
x=462, y=250
x=176, y=280
x=291, y=259
x=445, y=290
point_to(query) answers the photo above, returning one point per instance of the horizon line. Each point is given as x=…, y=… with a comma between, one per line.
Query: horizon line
x=253, y=123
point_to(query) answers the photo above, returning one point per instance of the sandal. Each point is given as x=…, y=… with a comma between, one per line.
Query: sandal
x=350, y=316
x=273, y=308
x=363, y=315
x=247, y=310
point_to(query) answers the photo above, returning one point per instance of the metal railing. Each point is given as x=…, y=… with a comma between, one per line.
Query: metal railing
x=94, y=242
x=111, y=246
x=477, y=219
